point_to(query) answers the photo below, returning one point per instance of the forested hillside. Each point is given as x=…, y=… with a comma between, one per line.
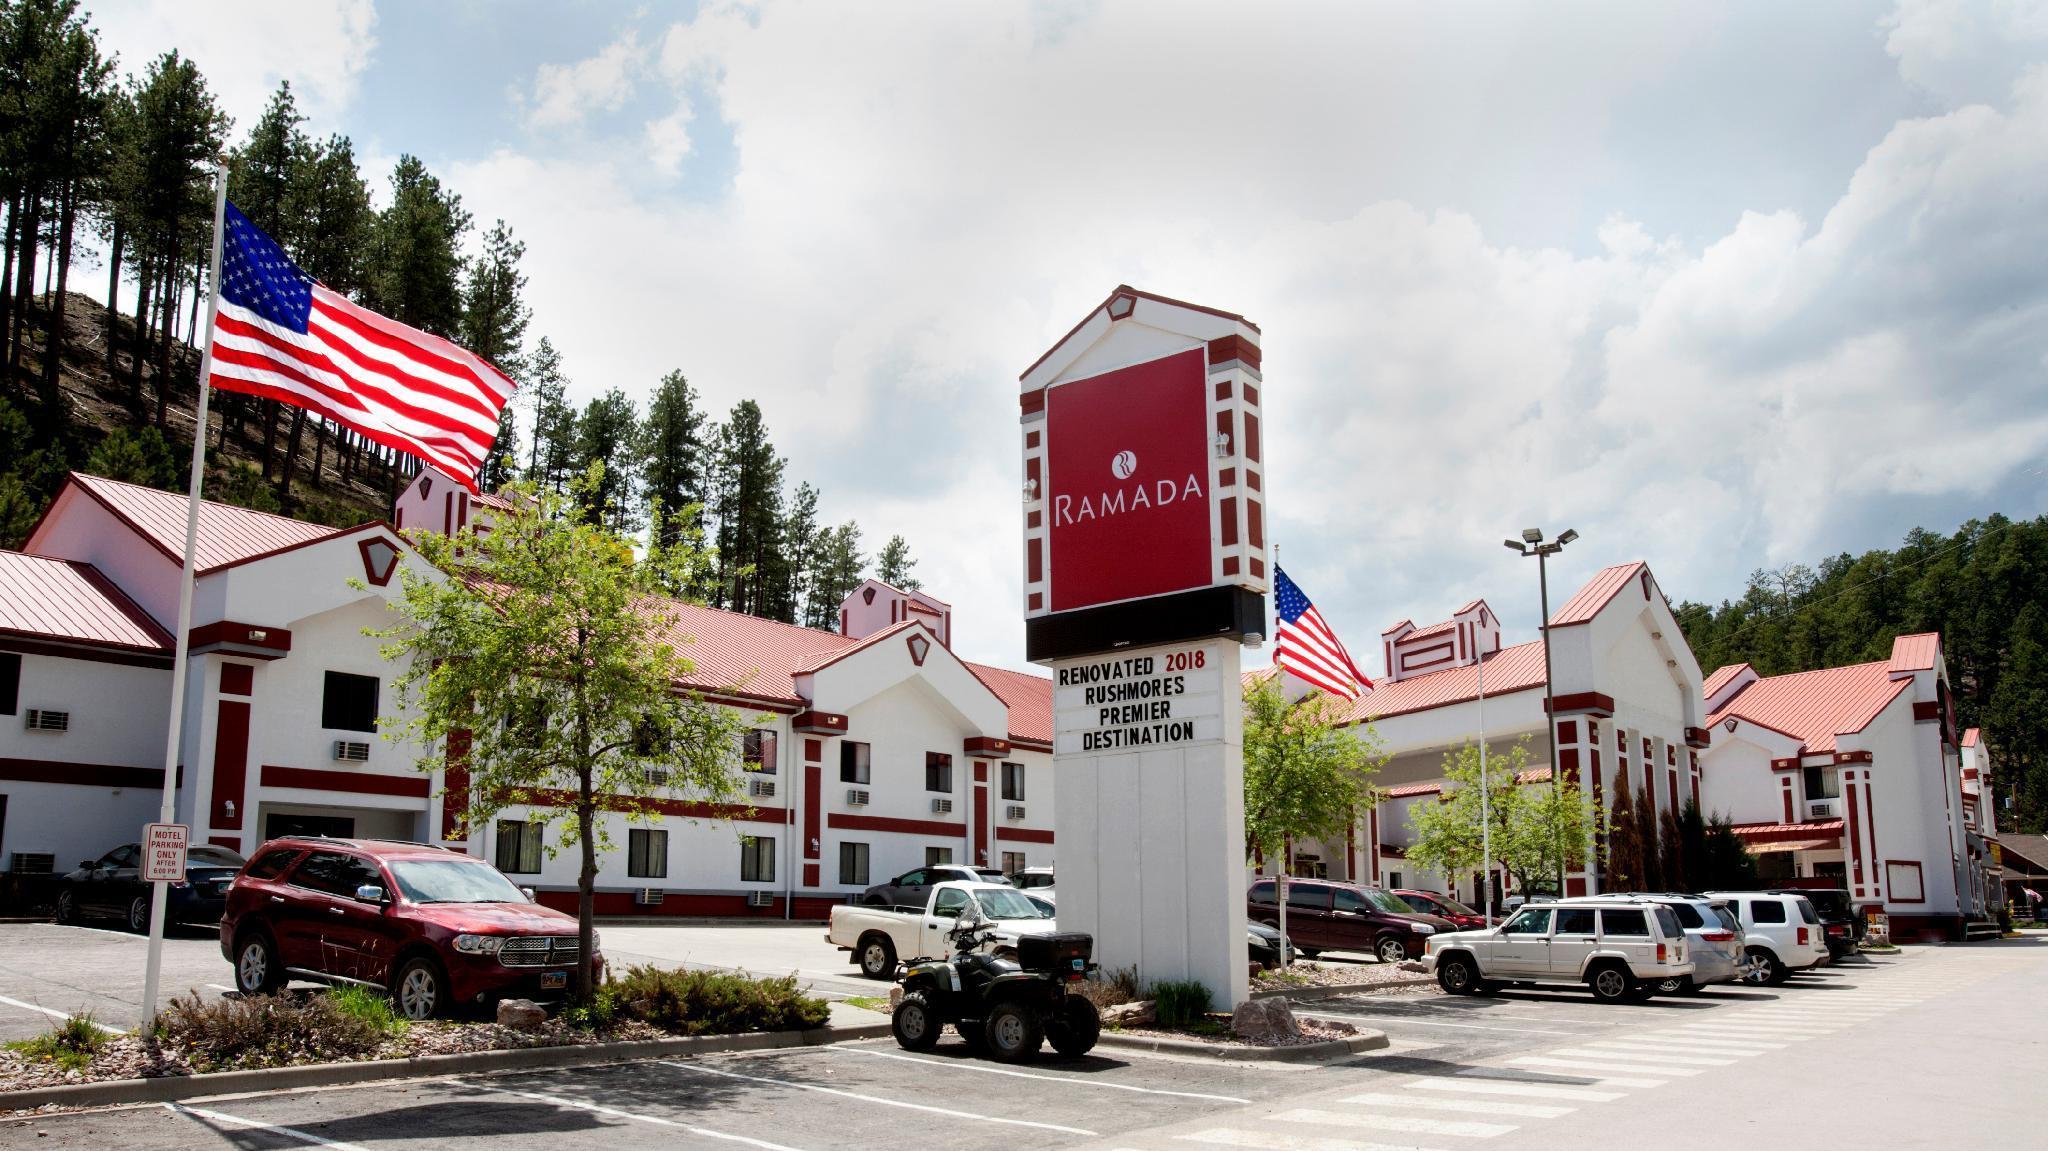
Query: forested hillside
x=1985, y=589
x=111, y=170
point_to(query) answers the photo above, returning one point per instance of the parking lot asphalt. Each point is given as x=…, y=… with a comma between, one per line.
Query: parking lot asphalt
x=1913, y=1039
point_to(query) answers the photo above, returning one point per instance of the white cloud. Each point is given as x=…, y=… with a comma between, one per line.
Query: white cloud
x=564, y=94
x=1966, y=50
x=245, y=47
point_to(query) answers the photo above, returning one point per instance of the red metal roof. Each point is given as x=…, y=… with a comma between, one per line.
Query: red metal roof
x=1516, y=668
x=1029, y=698
x=1720, y=679
x=1777, y=832
x=71, y=602
x=226, y=533
x=1413, y=789
x=1602, y=588
x=1816, y=706
x=1911, y=653
x=1432, y=629
x=1970, y=738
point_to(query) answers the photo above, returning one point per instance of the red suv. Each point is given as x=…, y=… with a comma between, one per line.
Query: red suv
x=1325, y=916
x=430, y=927
x=1441, y=906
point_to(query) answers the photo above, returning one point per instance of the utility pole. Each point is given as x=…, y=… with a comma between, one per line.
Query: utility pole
x=1532, y=544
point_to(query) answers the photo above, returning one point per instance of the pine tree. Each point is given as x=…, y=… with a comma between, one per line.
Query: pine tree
x=552, y=451
x=263, y=171
x=893, y=564
x=336, y=224
x=797, y=558
x=835, y=573
x=605, y=437
x=494, y=310
x=1645, y=817
x=673, y=458
x=747, y=496
x=500, y=466
x=1624, y=845
x=416, y=266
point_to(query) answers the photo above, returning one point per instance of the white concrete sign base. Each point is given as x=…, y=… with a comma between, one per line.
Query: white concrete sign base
x=1149, y=811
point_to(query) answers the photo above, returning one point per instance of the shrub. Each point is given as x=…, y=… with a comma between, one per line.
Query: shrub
x=70, y=1044
x=1119, y=987
x=1180, y=1002
x=714, y=1002
x=365, y=1005
x=270, y=1030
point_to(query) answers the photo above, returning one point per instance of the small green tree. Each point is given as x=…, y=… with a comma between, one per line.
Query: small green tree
x=1447, y=833
x=1549, y=833
x=1729, y=864
x=1624, y=844
x=551, y=654
x=1305, y=775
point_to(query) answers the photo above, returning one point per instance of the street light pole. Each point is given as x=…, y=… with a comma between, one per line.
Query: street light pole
x=1532, y=544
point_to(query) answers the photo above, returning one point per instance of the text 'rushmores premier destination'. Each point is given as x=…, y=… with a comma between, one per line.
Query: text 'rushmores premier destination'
x=1135, y=701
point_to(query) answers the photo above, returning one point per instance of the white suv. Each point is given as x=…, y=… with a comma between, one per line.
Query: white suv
x=1780, y=934
x=1620, y=952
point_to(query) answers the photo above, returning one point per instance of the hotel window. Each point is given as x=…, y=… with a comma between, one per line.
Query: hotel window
x=1013, y=862
x=1823, y=783
x=853, y=762
x=349, y=702
x=757, y=748
x=757, y=859
x=853, y=864
x=938, y=856
x=10, y=681
x=518, y=847
x=647, y=853
x=938, y=772
x=1013, y=782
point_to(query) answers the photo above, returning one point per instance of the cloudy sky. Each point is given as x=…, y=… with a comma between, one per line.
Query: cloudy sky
x=1718, y=286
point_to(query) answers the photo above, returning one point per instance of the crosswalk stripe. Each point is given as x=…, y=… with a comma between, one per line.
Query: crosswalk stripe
x=1709, y=1044
x=1283, y=1141
x=1589, y=1066
x=1468, y=1106
x=1621, y=1051
x=1757, y=1029
x=1406, y=1124
x=1523, y=1090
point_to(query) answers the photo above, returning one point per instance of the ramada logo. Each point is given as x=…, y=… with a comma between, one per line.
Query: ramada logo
x=1141, y=496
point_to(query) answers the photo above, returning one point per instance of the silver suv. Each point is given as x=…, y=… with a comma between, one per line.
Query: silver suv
x=1619, y=950
x=1713, y=939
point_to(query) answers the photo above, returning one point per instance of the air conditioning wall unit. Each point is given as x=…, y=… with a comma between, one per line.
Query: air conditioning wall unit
x=649, y=896
x=43, y=719
x=34, y=863
x=760, y=899
x=351, y=751
x=761, y=788
x=1016, y=811
x=1821, y=810
x=942, y=806
x=856, y=797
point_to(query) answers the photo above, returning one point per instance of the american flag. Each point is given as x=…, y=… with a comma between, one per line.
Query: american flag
x=1308, y=647
x=283, y=336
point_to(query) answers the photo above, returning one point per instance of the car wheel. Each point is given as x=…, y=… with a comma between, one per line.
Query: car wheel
x=914, y=1024
x=1761, y=968
x=1611, y=983
x=138, y=914
x=1074, y=1030
x=1012, y=1031
x=67, y=906
x=256, y=967
x=420, y=991
x=1391, y=950
x=877, y=957
x=1455, y=974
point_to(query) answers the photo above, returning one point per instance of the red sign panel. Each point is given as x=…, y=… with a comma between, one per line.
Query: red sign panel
x=1128, y=482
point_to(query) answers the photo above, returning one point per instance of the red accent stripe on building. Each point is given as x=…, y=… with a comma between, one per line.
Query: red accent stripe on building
x=350, y=782
x=810, y=875
x=906, y=826
x=84, y=774
x=1855, y=832
x=1023, y=835
x=230, y=765
x=814, y=779
x=237, y=679
x=980, y=815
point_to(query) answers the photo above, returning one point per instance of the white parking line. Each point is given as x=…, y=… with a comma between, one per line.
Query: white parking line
x=1284, y=1141
x=963, y=1065
x=1648, y=1055
x=1788, y=1030
x=1406, y=1124
x=948, y=1111
x=1467, y=1106
x=1524, y=1090
x=1710, y=1044
x=1602, y=1067
x=599, y=1109
x=55, y=1014
x=1385, y=1022
x=198, y=1113
x=220, y=987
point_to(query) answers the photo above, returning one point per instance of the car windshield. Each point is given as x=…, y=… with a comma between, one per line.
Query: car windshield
x=1385, y=902
x=453, y=881
x=1010, y=904
x=208, y=855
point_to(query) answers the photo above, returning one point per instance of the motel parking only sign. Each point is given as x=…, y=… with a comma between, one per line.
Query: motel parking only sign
x=163, y=852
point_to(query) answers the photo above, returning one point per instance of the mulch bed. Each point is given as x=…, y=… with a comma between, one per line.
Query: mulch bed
x=1312, y=1031
x=1327, y=974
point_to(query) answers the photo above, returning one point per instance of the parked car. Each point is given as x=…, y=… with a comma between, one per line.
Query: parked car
x=1838, y=919
x=433, y=928
x=1713, y=938
x=914, y=887
x=879, y=937
x=1441, y=906
x=112, y=887
x=1032, y=877
x=1781, y=934
x=1263, y=943
x=1619, y=952
x=1325, y=916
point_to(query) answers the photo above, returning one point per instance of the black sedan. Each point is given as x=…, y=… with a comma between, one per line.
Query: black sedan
x=1265, y=944
x=112, y=887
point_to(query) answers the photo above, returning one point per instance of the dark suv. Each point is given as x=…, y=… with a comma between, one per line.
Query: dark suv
x=1324, y=916
x=433, y=928
x=1842, y=927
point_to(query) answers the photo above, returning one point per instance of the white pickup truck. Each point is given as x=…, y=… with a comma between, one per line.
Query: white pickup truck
x=879, y=937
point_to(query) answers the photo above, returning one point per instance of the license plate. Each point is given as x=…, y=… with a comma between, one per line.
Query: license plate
x=553, y=980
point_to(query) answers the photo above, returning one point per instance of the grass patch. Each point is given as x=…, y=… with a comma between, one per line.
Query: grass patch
x=1178, y=1003
x=870, y=1003
x=368, y=1007
x=1119, y=987
x=714, y=1002
x=70, y=1044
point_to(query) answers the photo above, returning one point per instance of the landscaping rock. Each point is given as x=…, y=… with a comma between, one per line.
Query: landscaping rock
x=524, y=1014
x=1264, y=1021
x=1129, y=1014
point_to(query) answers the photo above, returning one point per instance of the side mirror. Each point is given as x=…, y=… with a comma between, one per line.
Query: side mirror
x=528, y=893
x=87, y=864
x=370, y=893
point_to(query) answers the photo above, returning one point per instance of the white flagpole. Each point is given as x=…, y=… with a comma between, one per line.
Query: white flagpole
x=1485, y=814
x=168, y=810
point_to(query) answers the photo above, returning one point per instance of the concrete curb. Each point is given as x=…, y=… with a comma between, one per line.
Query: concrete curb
x=170, y=1088
x=1310, y=994
x=1304, y=1053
